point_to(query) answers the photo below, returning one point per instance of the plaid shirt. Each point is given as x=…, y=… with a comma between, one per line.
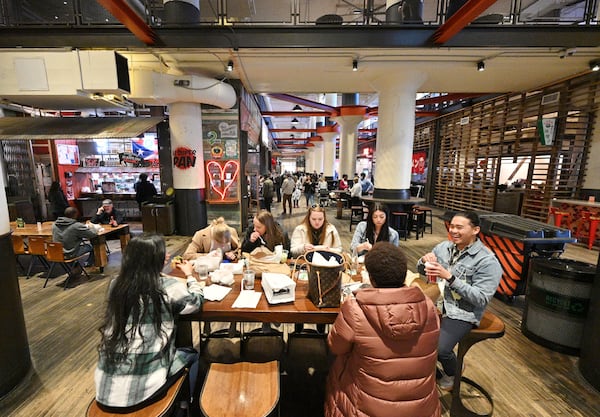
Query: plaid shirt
x=148, y=365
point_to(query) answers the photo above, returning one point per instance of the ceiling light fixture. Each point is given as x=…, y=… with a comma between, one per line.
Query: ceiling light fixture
x=229, y=67
x=297, y=108
x=355, y=65
x=481, y=66
x=595, y=65
x=294, y=127
x=294, y=121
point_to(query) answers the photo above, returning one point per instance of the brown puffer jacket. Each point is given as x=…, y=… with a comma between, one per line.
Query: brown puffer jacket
x=385, y=342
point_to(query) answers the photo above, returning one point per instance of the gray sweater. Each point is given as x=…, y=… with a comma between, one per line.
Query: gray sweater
x=70, y=233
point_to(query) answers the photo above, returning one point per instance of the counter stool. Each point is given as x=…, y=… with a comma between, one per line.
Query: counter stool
x=417, y=223
x=159, y=408
x=560, y=217
x=428, y=212
x=241, y=389
x=490, y=327
x=594, y=222
x=357, y=215
x=399, y=222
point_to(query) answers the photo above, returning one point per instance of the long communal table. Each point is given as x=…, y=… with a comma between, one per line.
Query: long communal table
x=99, y=242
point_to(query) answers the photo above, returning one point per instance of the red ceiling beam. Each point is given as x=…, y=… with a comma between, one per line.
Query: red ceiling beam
x=122, y=11
x=465, y=15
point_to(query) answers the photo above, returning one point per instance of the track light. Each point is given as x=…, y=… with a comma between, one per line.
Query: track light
x=595, y=65
x=481, y=66
x=294, y=121
x=355, y=65
x=297, y=108
x=294, y=127
x=229, y=67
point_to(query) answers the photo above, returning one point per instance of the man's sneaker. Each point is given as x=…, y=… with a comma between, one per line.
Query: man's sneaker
x=446, y=383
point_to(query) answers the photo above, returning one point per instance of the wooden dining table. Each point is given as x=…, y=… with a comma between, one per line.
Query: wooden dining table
x=98, y=243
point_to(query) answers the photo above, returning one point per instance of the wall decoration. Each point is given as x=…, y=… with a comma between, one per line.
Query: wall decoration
x=222, y=180
x=67, y=154
x=184, y=158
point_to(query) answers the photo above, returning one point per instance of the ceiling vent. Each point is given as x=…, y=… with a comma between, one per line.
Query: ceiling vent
x=550, y=98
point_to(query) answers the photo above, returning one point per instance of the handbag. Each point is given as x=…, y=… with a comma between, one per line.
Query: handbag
x=324, y=281
x=262, y=259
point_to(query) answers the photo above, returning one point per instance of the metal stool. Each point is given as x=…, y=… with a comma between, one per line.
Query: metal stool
x=490, y=327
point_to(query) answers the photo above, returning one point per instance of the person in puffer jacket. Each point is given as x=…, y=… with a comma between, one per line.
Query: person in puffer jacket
x=71, y=233
x=385, y=341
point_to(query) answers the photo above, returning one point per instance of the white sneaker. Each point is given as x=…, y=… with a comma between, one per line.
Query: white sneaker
x=446, y=383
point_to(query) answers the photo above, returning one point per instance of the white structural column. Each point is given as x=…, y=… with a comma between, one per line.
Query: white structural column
x=395, y=133
x=329, y=134
x=318, y=155
x=309, y=159
x=186, y=145
x=348, y=119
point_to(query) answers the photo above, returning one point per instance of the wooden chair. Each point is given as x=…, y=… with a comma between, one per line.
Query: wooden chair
x=56, y=255
x=490, y=327
x=161, y=408
x=240, y=389
x=36, y=245
x=19, y=248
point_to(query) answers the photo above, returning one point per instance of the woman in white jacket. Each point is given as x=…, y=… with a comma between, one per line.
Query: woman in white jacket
x=315, y=233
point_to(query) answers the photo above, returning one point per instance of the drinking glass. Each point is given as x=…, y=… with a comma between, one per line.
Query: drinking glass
x=248, y=280
x=202, y=271
x=284, y=256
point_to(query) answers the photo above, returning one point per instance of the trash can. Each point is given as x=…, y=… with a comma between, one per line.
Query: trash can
x=589, y=360
x=557, y=303
x=158, y=218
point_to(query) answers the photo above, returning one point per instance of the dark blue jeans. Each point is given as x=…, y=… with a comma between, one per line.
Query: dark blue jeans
x=451, y=332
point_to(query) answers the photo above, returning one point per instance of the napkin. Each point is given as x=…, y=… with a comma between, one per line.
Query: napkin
x=215, y=292
x=247, y=299
x=319, y=260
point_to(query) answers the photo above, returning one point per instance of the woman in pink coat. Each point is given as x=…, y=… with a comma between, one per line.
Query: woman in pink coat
x=385, y=341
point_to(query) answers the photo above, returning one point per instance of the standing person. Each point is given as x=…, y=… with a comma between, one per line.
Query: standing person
x=309, y=191
x=74, y=236
x=314, y=232
x=343, y=184
x=385, y=341
x=471, y=274
x=267, y=191
x=144, y=190
x=277, y=183
x=217, y=235
x=375, y=229
x=296, y=197
x=107, y=214
x=138, y=360
x=287, y=188
x=356, y=192
x=264, y=231
x=57, y=199
x=366, y=184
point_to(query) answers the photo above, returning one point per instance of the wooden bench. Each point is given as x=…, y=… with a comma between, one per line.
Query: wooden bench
x=161, y=408
x=490, y=327
x=240, y=389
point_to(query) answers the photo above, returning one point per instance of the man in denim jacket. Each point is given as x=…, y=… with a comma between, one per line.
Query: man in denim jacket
x=470, y=273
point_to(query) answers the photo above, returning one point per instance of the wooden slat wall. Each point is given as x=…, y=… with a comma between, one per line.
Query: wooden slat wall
x=472, y=143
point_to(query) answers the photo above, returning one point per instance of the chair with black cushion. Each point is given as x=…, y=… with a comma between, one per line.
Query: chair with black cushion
x=323, y=198
x=260, y=345
x=223, y=346
x=160, y=408
x=36, y=245
x=55, y=255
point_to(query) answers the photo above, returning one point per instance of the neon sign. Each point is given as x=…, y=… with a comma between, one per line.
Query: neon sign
x=222, y=176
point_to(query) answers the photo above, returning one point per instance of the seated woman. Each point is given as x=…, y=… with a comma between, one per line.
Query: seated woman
x=218, y=235
x=315, y=233
x=374, y=229
x=385, y=341
x=264, y=231
x=138, y=360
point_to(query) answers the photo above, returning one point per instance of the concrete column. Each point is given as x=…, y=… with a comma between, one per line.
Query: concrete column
x=329, y=134
x=15, y=360
x=395, y=133
x=182, y=11
x=188, y=166
x=348, y=119
x=318, y=156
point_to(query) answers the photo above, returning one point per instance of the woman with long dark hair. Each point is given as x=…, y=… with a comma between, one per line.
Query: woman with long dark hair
x=138, y=360
x=375, y=229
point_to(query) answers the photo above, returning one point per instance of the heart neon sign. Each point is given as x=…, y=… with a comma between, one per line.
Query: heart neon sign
x=228, y=167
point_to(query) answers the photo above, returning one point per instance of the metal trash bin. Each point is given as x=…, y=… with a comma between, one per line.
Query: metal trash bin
x=557, y=303
x=515, y=240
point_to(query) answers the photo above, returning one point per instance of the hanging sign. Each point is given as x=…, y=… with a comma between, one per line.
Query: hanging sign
x=547, y=130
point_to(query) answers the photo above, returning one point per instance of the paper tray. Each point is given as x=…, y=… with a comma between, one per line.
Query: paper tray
x=278, y=288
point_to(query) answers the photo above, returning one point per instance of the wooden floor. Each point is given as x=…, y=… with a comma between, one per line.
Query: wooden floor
x=525, y=379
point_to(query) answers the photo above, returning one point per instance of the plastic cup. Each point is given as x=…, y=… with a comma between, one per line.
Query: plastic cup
x=430, y=277
x=202, y=272
x=248, y=280
x=284, y=256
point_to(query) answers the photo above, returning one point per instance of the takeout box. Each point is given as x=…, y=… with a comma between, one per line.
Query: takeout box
x=278, y=288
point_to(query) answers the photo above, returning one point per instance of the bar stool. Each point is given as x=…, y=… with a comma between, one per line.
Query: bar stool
x=417, y=223
x=490, y=327
x=594, y=222
x=357, y=214
x=241, y=389
x=427, y=211
x=559, y=217
x=399, y=222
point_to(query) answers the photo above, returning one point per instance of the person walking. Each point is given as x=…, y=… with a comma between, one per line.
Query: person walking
x=287, y=189
x=267, y=191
